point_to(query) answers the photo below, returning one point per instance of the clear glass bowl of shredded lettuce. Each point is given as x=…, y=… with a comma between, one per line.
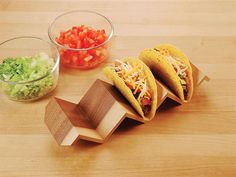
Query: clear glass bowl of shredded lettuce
x=29, y=68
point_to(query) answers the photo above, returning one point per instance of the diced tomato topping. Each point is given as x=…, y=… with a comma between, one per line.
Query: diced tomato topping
x=146, y=101
x=82, y=37
x=129, y=85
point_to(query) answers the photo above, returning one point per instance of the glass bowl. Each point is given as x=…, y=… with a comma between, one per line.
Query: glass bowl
x=29, y=68
x=81, y=57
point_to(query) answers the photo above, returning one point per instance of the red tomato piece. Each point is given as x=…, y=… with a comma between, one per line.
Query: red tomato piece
x=146, y=101
x=79, y=37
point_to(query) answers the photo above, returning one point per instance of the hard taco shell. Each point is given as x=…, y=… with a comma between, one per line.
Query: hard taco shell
x=125, y=90
x=156, y=61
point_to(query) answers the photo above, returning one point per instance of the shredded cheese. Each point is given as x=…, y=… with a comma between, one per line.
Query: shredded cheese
x=133, y=76
x=180, y=69
x=178, y=64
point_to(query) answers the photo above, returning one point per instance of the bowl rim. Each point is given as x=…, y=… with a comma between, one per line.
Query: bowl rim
x=56, y=64
x=76, y=11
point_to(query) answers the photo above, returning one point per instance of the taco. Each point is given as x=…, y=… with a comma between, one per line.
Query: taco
x=136, y=83
x=172, y=66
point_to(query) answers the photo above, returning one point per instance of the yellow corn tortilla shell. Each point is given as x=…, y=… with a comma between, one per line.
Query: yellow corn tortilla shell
x=125, y=90
x=157, y=62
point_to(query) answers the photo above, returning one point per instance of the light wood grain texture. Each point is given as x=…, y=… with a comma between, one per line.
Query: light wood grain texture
x=197, y=139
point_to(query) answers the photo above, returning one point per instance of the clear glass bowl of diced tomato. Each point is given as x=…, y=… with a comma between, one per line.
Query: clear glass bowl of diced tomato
x=82, y=38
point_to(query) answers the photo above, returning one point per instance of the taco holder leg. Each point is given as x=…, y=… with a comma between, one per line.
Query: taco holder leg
x=99, y=112
x=94, y=118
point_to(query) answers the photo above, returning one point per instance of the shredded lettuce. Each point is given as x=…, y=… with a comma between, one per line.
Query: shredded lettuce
x=24, y=69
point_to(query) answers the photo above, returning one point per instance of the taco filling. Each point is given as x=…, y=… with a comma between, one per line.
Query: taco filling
x=181, y=70
x=135, y=79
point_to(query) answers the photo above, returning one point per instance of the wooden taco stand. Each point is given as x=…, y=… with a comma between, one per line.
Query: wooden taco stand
x=99, y=112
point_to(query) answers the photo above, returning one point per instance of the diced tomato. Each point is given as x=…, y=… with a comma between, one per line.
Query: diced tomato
x=78, y=46
x=75, y=30
x=72, y=45
x=79, y=37
x=146, y=101
x=186, y=74
x=129, y=85
x=93, y=52
x=75, y=59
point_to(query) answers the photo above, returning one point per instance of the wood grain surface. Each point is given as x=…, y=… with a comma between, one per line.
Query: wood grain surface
x=197, y=139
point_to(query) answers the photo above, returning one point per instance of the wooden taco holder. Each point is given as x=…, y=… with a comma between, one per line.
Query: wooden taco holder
x=99, y=112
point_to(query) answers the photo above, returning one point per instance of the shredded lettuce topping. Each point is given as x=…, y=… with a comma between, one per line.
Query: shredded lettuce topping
x=25, y=69
x=180, y=69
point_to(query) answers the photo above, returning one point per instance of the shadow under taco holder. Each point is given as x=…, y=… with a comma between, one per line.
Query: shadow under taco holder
x=99, y=112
